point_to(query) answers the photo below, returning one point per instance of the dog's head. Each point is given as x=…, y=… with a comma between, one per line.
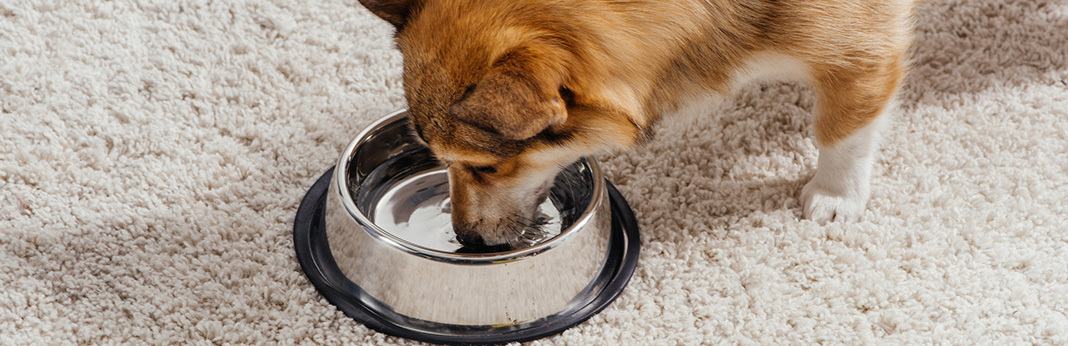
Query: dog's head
x=491, y=89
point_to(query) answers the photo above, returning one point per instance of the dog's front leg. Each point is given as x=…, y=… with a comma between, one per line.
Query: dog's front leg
x=841, y=187
x=849, y=116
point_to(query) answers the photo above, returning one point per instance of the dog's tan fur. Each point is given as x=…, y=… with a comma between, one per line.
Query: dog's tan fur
x=526, y=86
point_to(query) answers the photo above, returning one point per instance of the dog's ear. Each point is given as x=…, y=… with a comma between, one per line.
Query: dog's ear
x=518, y=98
x=395, y=12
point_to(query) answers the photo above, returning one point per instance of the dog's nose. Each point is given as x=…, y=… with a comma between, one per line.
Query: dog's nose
x=471, y=240
x=473, y=243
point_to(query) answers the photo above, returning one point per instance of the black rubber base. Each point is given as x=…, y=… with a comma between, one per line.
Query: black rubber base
x=313, y=253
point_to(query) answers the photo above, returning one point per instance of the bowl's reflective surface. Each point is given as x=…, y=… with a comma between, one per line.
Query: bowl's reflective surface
x=409, y=270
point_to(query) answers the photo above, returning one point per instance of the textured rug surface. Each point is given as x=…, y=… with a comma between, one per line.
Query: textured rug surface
x=153, y=154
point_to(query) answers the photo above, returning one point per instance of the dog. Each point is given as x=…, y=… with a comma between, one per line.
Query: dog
x=507, y=92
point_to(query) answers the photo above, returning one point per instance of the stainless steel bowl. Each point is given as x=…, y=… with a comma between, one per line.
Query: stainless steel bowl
x=385, y=220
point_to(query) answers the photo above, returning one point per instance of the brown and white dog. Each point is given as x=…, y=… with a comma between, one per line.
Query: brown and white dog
x=506, y=92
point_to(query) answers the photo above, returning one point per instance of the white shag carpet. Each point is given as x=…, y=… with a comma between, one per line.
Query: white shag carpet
x=153, y=154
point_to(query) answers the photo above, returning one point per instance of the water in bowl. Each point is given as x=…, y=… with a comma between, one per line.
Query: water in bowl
x=417, y=210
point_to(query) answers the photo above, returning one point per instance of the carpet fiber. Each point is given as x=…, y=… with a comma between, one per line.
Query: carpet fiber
x=153, y=153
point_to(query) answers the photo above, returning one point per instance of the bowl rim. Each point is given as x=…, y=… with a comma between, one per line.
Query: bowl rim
x=379, y=234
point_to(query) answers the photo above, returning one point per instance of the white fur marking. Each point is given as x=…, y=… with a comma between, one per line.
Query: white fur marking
x=770, y=66
x=842, y=185
x=761, y=67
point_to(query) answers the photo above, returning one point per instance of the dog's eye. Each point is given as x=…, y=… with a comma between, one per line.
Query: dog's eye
x=484, y=169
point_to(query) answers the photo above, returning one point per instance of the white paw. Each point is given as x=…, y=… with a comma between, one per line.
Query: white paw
x=822, y=205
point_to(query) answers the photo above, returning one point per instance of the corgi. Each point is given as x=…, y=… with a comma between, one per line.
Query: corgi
x=507, y=92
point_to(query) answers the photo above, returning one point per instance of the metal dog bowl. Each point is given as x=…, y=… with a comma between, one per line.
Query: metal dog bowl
x=373, y=234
